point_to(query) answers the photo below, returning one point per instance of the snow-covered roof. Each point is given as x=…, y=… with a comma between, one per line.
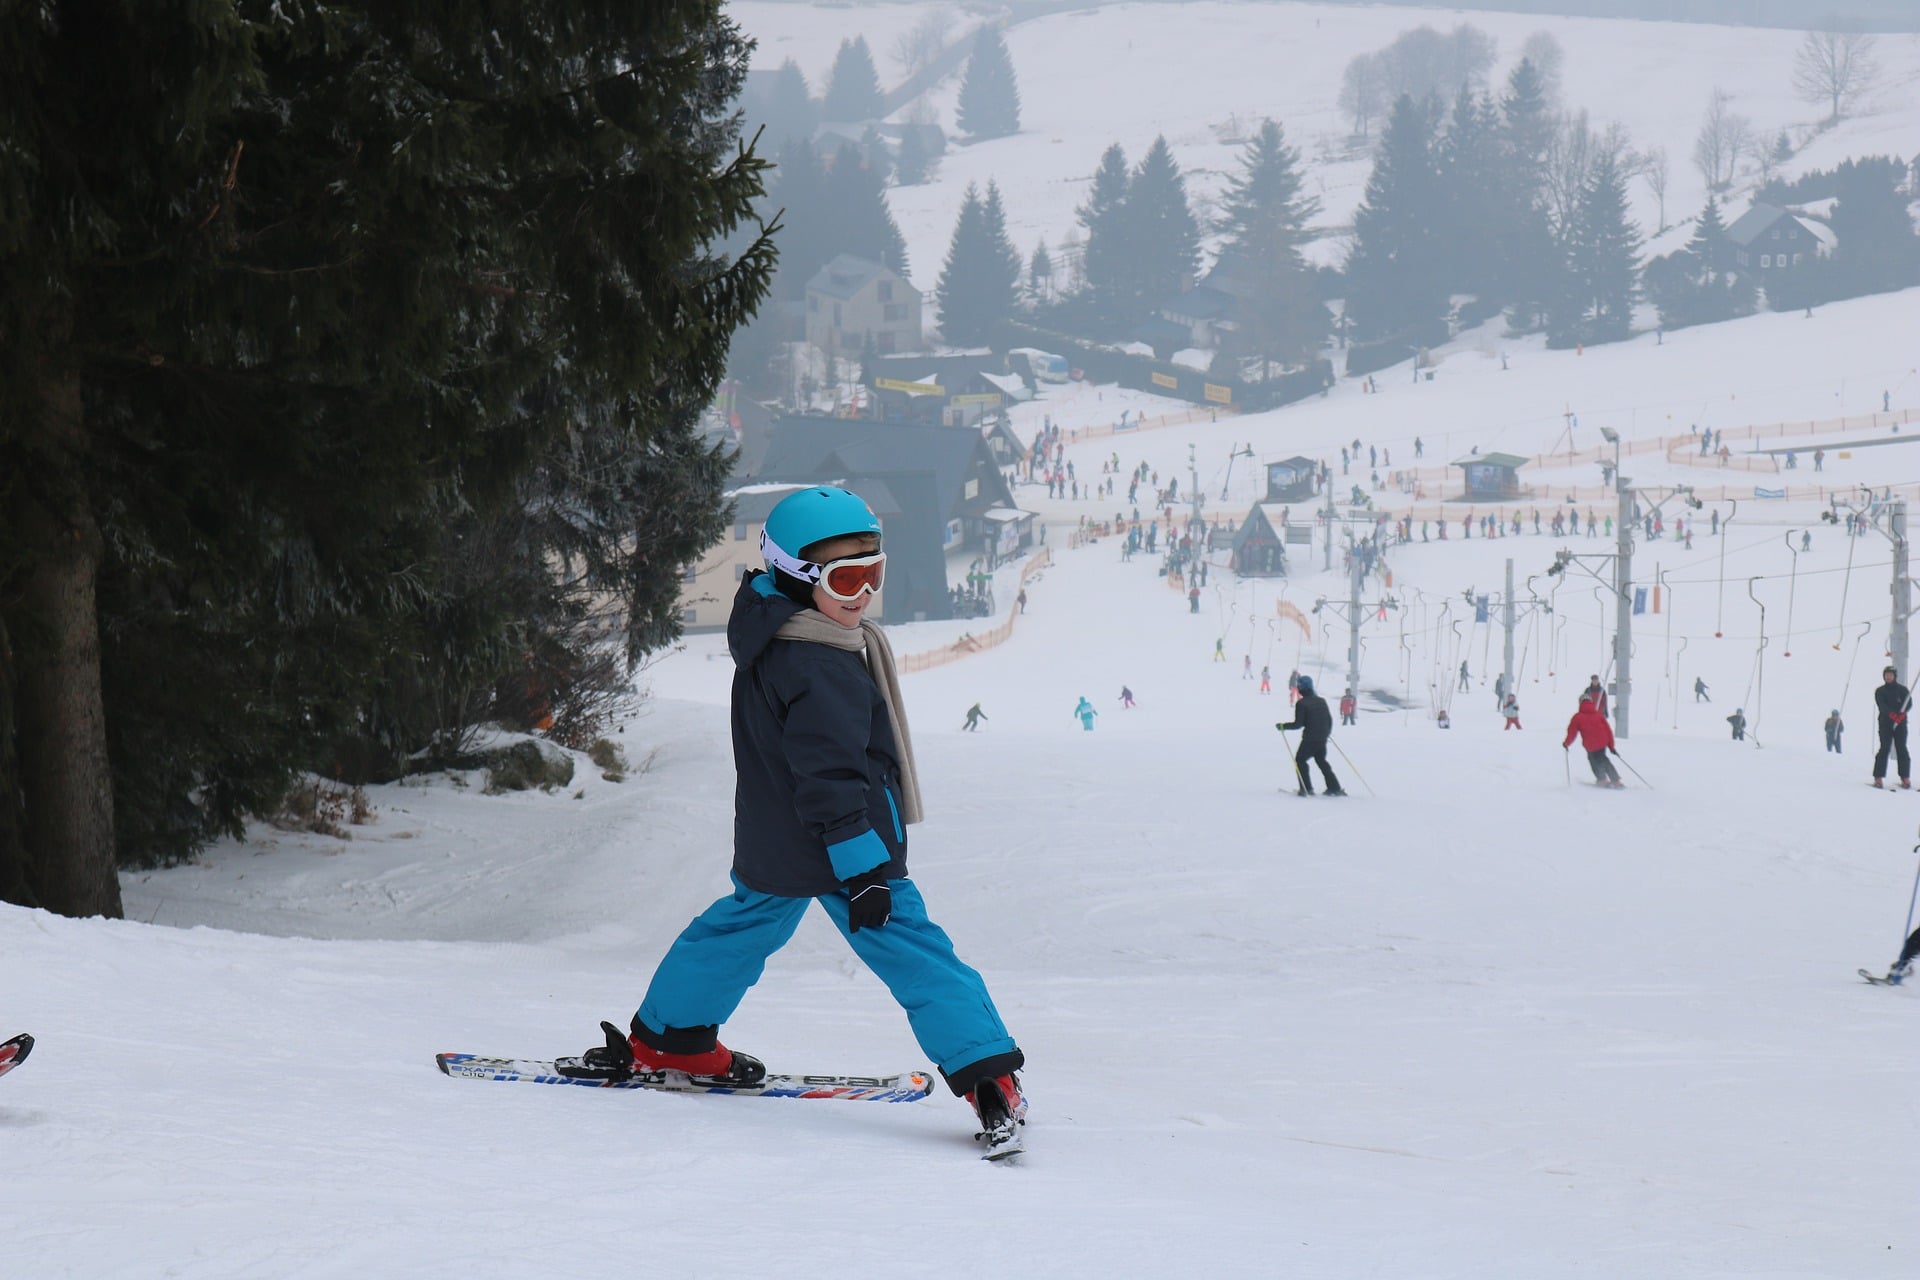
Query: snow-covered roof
x=1194, y=358
x=1011, y=384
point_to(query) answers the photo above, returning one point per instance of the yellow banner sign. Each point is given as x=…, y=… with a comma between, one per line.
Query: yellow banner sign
x=911, y=388
x=1219, y=395
x=989, y=398
x=1165, y=380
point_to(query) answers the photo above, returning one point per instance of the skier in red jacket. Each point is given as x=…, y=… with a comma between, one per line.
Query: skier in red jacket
x=1596, y=735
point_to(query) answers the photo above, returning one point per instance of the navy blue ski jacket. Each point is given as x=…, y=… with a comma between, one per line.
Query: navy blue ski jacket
x=815, y=800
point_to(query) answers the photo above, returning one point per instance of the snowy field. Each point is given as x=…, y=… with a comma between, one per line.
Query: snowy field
x=1479, y=1020
x=1204, y=74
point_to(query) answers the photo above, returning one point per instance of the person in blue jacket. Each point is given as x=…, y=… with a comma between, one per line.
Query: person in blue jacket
x=1086, y=713
x=826, y=787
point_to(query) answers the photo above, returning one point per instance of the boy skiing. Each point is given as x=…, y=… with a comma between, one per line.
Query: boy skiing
x=1348, y=706
x=1510, y=713
x=1315, y=722
x=826, y=787
x=1739, y=722
x=1834, y=727
x=1596, y=737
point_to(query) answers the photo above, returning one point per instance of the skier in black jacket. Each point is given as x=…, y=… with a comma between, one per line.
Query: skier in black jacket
x=1894, y=701
x=1315, y=722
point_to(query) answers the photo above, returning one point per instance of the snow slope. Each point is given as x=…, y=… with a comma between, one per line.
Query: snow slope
x=1205, y=73
x=1477, y=1020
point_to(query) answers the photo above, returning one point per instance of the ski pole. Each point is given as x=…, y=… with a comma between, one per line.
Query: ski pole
x=1566, y=758
x=1356, y=772
x=1630, y=769
x=1913, y=898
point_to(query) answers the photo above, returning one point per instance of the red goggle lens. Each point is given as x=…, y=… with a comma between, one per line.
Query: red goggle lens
x=846, y=579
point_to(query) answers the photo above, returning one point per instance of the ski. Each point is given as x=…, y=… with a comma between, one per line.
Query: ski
x=908, y=1086
x=1878, y=980
x=14, y=1052
x=1002, y=1143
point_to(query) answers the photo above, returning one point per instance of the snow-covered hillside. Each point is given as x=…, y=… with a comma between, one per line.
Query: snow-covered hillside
x=1477, y=1020
x=1205, y=73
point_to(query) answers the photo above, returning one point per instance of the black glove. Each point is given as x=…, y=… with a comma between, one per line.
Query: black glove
x=870, y=901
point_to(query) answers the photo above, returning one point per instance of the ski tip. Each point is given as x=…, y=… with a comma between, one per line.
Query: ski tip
x=440, y=1060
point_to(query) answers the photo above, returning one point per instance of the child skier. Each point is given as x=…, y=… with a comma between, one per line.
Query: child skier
x=1510, y=712
x=1086, y=713
x=974, y=716
x=1348, y=706
x=1126, y=698
x=1596, y=736
x=1739, y=722
x=826, y=787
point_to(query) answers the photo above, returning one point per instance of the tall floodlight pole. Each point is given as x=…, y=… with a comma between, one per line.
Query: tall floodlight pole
x=1902, y=588
x=1329, y=564
x=1507, y=620
x=1623, y=598
x=1353, y=617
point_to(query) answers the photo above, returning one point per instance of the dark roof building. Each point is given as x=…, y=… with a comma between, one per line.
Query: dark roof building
x=1292, y=480
x=1767, y=238
x=1491, y=477
x=1259, y=546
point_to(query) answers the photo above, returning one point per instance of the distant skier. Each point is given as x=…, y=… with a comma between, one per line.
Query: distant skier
x=1021, y=599
x=1126, y=698
x=1597, y=692
x=1266, y=680
x=1596, y=738
x=1086, y=713
x=1834, y=728
x=1510, y=712
x=1463, y=675
x=1700, y=690
x=1246, y=666
x=1893, y=701
x=1739, y=722
x=1193, y=606
x=1315, y=722
x=974, y=716
x=1442, y=720
x=1293, y=686
x=1220, y=649
x=1348, y=705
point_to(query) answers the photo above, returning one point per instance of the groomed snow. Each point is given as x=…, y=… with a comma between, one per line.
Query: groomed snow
x=1479, y=1020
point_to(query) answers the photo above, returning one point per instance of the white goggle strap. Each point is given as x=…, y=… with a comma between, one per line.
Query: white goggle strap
x=805, y=570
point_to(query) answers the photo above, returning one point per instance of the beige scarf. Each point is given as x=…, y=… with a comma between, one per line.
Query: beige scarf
x=810, y=626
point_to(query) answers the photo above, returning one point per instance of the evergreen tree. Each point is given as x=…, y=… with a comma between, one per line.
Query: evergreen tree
x=1264, y=222
x=263, y=383
x=1163, y=238
x=853, y=86
x=913, y=165
x=1040, y=272
x=1396, y=270
x=1874, y=245
x=1104, y=215
x=989, y=96
x=855, y=216
x=786, y=110
x=1527, y=258
x=1595, y=303
x=982, y=273
x=1474, y=209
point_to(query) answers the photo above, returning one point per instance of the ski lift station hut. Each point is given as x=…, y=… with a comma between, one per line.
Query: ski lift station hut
x=1492, y=477
x=1292, y=480
x=1259, y=545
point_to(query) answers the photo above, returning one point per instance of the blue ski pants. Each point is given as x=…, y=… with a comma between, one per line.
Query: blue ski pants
x=716, y=958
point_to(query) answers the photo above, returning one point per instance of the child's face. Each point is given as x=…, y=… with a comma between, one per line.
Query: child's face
x=845, y=612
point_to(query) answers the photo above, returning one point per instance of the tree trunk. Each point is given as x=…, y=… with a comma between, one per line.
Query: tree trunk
x=59, y=718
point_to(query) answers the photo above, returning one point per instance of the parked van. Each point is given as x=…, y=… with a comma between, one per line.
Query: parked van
x=1043, y=366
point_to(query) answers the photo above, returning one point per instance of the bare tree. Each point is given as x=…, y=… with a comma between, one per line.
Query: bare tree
x=1544, y=52
x=922, y=43
x=1363, y=91
x=1835, y=67
x=1724, y=135
x=1650, y=166
x=1571, y=151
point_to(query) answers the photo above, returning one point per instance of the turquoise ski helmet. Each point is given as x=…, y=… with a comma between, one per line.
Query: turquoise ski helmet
x=801, y=519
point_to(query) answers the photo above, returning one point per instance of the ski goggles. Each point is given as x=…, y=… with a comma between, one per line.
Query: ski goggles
x=846, y=579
